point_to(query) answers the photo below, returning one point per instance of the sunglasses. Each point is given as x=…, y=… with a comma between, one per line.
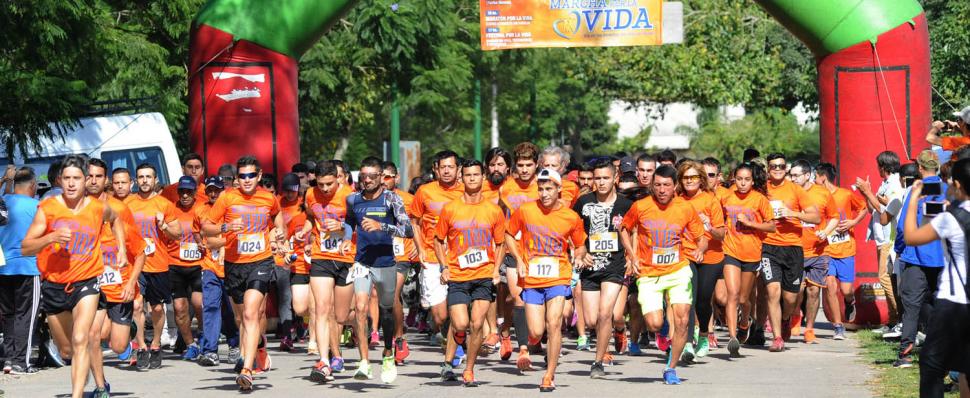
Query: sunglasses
x=777, y=166
x=370, y=176
x=711, y=175
x=694, y=178
x=247, y=176
x=389, y=176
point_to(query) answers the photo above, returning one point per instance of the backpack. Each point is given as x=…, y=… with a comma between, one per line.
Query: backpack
x=963, y=218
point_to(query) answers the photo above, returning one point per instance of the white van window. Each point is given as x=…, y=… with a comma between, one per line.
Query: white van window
x=131, y=158
x=40, y=166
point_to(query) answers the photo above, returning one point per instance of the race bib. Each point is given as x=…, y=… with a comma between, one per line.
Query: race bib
x=665, y=255
x=544, y=267
x=838, y=238
x=250, y=244
x=189, y=251
x=111, y=276
x=604, y=242
x=473, y=258
x=357, y=271
x=398, y=246
x=330, y=243
x=777, y=208
x=149, y=246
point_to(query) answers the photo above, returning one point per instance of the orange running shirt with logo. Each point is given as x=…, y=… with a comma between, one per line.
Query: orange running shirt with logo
x=570, y=193
x=79, y=259
x=404, y=247
x=515, y=195
x=256, y=212
x=428, y=202
x=545, y=243
x=491, y=192
x=664, y=234
x=812, y=246
x=294, y=218
x=144, y=211
x=788, y=231
x=211, y=261
x=707, y=204
x=186, y=251
x=848, y=206
x=326, y=244
x=471, y=233
x=741, y=242
x=113, y=279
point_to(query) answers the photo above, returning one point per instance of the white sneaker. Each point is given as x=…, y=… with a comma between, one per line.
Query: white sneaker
x=920, y=339
x=895, y=332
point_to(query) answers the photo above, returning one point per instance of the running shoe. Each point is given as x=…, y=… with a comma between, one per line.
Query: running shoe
x=401, y=351
x=633, y=349
x=903, y=362
x=263, y=362
x=492, y=343
x=459, y=357
x=920, y=339
x=192, y=352
x=468, y=379
x=670, y=377
x=388, y=370
x=311, y=348
x=839, y=332
x=347, y=338
x=619, y=342
x=778, y=345
x=100, y=392
x=337, y=364
x=743, y=334
x=321, y=373
x=663, y=343
x=687, y=355
x=810, y=336
x=582, y=343
x=155, y=359
x=7, y=366
x=238, y=367
x=209, y=359
x=734, y=347
x=608, y=359
x=756, y=338
x=596, y=371
x=895, y=332
x=286, y=344
x=796, y=324
x=126, y=354
x=245, y=380
x=850, y=312
x=364, y=372
x=25, y=370
x=523, y=363
x=548, y=384
x=375, y=339
x=234, y=354
x=505, y=351
x=703, y=348
x=448, y=373
x=712, y=341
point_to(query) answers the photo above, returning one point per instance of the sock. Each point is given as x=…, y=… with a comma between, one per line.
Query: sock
x=521, y=326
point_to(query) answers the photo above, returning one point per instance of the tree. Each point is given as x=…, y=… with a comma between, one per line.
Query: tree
x=768, y=130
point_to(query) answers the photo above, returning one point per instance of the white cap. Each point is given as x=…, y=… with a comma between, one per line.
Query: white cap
x=963, y=115
x=549, y=175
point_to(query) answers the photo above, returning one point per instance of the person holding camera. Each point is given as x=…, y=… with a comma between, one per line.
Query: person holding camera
x=961, y=125
x=947, y=344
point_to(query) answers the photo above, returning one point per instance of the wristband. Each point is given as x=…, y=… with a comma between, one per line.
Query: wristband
x=224, y=228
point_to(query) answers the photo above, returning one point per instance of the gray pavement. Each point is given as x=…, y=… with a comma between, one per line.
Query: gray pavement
x=830, y=369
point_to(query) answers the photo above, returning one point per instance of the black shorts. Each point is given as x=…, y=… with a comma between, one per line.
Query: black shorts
x=589, y=280
x=783, y=264
x=745, y=266
x=336, y=270
x=120, y=313
x=185, y=280
x=61, y=297
x=404, y=267
x=242, y=277
x=299, y=279
x=465, y=292
x=156, y=287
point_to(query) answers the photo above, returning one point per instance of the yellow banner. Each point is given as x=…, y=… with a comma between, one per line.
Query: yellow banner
x=570, y=23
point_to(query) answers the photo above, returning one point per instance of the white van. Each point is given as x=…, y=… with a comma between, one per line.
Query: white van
x=121, y=141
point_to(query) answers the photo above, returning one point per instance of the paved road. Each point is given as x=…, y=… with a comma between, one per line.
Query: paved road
x=831, y=368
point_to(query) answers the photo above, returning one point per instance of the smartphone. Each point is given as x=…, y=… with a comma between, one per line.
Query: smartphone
x=908, y=181
x=932, y=188
x=933, y=208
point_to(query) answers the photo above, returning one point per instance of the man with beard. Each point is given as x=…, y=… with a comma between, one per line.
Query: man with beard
x=497, y=162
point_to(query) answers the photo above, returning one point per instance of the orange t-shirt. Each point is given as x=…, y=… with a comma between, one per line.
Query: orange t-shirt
x=741, y=242
x=666, y=235
x=954, y=143
x=812, y=246
x=491, y=192
x=472, y=232
x=426, y=207
x=211, y=260
x=403, y=246
x=256, y=212
x=171, y=192
x=326, y=244
x=186, y=251
x=709, y=205
x=515, y=195
x=79, y=259
x=294, y=218
x=545, y=242
x=848, y=206
x=570, y=193
x=144, y=211
x=788, y=231
x=111, y=284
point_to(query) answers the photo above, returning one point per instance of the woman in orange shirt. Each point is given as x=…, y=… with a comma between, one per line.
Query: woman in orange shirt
x=67, y=229
x=749, y=218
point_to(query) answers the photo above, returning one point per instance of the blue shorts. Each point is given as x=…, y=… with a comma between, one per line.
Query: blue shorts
x=539, y=296
x=843, y=269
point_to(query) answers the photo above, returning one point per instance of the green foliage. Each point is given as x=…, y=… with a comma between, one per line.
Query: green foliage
x=950, y=54
x=768, y=130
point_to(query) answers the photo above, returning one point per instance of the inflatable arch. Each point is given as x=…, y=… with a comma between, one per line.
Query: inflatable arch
x=873, y=80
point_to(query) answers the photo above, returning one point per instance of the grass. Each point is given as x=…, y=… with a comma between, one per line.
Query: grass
x=889, y=382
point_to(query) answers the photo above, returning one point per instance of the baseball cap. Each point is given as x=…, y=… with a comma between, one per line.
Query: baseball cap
x=928, y=160
x=549, y=175
x=187, y=182
x=214, y=182
x=963, y=114
x=291, y=182
x=628, y=165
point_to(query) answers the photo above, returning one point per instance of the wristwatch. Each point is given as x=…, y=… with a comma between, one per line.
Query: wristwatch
x=224, y=228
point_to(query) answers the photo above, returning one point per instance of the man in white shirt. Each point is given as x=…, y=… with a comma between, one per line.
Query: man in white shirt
x=882, y=234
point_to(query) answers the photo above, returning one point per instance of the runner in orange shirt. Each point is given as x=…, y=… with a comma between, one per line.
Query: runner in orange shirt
x=841, y=248
x=469, y=235
x=406, y=256
x=782, y=259
x=246, y=216
x=670, y=237
x=66, y=236
x=119, y=286
x=498, y=163
x=715, y=179
x=748, y=217
x=548, y=231
x=213, y=282
x=155, y=217
x=292, y=273
x=191, y=167
x=185, y=272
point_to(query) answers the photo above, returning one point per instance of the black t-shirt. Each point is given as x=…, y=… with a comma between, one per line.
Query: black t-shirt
x=601, y=217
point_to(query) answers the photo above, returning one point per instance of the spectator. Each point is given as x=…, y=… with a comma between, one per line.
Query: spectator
x=959, y=126
x=52, y=172
x=19, y=278
x=666, y=157
x=888, y=164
